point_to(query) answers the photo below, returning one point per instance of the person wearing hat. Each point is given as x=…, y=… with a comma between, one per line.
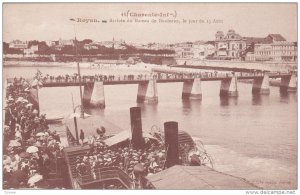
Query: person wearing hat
x=135, y=158
x=152, y=165
x=78, y=160
x=121, y=166
x=130, y=169
x=85, y=158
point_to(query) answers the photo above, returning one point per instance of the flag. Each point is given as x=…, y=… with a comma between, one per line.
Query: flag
x=70, y=137
x=36, y=83
x=38, y=75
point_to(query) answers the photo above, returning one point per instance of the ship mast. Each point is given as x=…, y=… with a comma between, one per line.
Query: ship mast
x=80, y=88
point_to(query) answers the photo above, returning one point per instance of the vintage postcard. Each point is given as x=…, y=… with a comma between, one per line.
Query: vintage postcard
x=158, y=96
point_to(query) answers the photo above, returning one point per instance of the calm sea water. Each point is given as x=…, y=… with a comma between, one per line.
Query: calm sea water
x=251, y=137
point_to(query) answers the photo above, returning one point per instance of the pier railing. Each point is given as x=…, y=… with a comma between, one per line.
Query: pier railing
x=105, y=174
x=61, y=81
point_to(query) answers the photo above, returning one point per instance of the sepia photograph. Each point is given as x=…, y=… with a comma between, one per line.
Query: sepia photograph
x=150, y=96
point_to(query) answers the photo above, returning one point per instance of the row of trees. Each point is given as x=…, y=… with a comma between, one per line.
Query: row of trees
x=44, y=49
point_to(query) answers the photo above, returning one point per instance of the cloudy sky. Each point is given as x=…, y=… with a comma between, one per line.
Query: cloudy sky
x=51, y=21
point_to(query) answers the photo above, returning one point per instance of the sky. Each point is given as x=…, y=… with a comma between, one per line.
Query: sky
x=51, y=21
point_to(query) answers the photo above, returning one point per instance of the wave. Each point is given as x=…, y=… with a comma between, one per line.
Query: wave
x=264, y=172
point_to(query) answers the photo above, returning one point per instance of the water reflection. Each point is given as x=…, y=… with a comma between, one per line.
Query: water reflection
x=283, y=93
x=226, y=101
x=191, y=105
x=148, y=108
x=287, y=97
x=94, y=111
x=258, y=99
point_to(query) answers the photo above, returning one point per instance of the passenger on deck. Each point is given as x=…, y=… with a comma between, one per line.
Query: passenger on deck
x=81, y=137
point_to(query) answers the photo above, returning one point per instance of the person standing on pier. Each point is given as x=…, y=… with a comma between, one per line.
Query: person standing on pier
x=81, y=136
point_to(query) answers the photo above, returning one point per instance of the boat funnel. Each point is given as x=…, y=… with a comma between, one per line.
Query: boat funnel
x=171, y=143
x=137, y=140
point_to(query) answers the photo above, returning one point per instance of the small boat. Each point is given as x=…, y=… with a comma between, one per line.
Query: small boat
x=54, y=120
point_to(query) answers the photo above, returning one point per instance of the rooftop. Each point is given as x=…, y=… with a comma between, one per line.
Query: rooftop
x=256, y=40
x=277, y=37
x=197, y=177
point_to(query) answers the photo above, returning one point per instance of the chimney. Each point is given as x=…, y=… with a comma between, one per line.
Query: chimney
x=137, y=140
x=171, y=143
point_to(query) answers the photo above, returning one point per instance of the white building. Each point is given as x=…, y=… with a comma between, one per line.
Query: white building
x=31, y=50
x=90, y=46
x=273, y=48
x=281, y=51
x=197, y=50
x=17, y=44
x=230, y=46
x=66, y=42
x=113, y=44
x=58, y=47
x=138, y=45
x=203, y=49
x=108, y=44
x=184, y=50
x=50, y=43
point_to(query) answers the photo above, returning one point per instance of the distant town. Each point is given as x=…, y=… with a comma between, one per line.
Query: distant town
x=226, y=46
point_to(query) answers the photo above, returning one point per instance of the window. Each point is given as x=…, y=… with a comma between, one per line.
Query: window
x=241, y=46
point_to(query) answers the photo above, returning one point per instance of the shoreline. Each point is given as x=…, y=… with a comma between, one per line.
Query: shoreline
x=213, y=63
x=37, y=64
x=273, y=83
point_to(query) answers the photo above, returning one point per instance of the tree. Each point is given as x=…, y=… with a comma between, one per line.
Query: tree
x=5, y=47
x=86, y=41
x=44, y=49
x=34, y=42
x=68, y=49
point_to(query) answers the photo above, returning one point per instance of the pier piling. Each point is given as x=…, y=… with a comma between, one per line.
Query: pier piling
x=288, y=83
x=261, y=85
x=98, y=98
x=229, y=87
x=147, y=92
x=87, y=94
x=192, y=90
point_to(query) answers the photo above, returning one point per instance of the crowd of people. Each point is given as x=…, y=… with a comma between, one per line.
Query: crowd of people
x=30, y=147
x=97, y=77
x=137, y=163
x=103, y=77
x=149, y=160
x=100, y=156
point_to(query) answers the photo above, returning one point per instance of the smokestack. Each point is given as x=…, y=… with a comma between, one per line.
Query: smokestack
x=137, y=140
x=171, y=143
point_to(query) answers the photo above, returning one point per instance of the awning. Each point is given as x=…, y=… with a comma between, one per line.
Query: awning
x=123, y=136
x=89, y=126
x=197, y=177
